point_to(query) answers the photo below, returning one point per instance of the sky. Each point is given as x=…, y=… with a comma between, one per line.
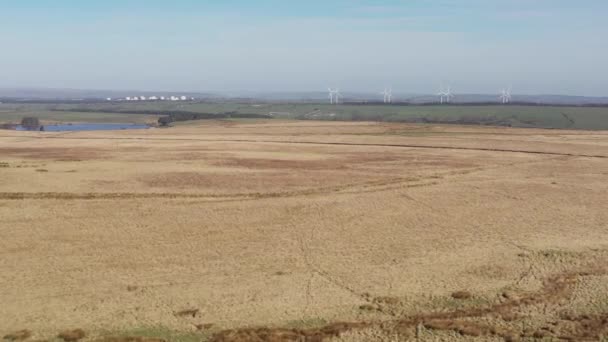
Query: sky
x=476, y=46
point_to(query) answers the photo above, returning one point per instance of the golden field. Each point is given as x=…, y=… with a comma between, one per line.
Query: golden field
x=278, y=230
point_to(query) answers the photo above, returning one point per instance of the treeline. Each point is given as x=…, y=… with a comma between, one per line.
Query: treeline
x=187, y=116
x=169, y=116
x=30, y=122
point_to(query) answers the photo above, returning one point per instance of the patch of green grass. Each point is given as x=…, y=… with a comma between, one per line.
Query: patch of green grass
x=160, y=332
x=15, y=113
x=307, y=323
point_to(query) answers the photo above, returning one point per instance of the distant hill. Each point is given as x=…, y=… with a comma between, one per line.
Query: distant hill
x=538, y=99
x=43, y=94
x=82, y=94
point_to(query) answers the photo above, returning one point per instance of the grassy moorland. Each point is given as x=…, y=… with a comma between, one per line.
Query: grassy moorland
x=276, y=230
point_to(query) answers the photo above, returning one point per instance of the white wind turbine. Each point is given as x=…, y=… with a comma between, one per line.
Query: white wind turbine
x=505, y=95
x=445, y=95
x=388, y=95
x=337, y=96
x=334, y=95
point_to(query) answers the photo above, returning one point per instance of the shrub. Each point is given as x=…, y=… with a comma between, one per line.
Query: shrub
x=30, y=122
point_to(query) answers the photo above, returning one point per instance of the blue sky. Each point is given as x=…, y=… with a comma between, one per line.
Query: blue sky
x=538, y=46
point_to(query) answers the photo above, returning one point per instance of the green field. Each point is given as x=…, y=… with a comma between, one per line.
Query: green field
x=593, y=118
x=14, y=114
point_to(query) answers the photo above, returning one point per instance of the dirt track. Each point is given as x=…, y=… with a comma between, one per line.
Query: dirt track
x=296, y=226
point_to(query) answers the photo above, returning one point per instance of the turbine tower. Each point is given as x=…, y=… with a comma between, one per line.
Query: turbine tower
x=337, y=95
x=449, y=95
x=445, y=95
x=334, y=95
x=505, y=95
x=388, y=95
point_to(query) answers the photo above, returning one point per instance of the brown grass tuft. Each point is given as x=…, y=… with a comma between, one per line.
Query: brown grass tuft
x=367, y=307
x=286, y=335
x=205, y=326
x=462, y=295
x=72, y=335
x=187, y=312
x=18, y=335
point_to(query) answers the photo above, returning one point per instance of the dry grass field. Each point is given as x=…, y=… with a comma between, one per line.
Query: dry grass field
x=304, y=231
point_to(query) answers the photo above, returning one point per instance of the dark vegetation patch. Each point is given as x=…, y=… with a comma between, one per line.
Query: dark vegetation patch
x=463, y=321
x=18, y=335
x=476, y=120
x=132, y=288
x=367, y=307
x=187, y=312
x=30, y=122
x=72, y=335
x=204, y=326
x=53, y=153
x=189, y=116
x=462, y=295
x=286, y=335
x=169, y=116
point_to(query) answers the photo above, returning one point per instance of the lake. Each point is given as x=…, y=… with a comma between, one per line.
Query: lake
x=83, y=127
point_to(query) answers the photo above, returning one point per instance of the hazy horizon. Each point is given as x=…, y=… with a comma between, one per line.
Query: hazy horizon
x=479, y=47
x=250, y=92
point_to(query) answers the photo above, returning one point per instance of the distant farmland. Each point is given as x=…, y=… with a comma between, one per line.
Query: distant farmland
x=14, y=114
x=561, y=117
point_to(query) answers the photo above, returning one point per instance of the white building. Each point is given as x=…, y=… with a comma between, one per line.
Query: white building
x=183, y=98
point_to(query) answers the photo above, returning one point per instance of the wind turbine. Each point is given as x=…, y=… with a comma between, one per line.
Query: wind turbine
x=449, y=95
x=337, y=95
x=505, y=95
x=334, y=95
x=388, y=95
x=445, y=95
